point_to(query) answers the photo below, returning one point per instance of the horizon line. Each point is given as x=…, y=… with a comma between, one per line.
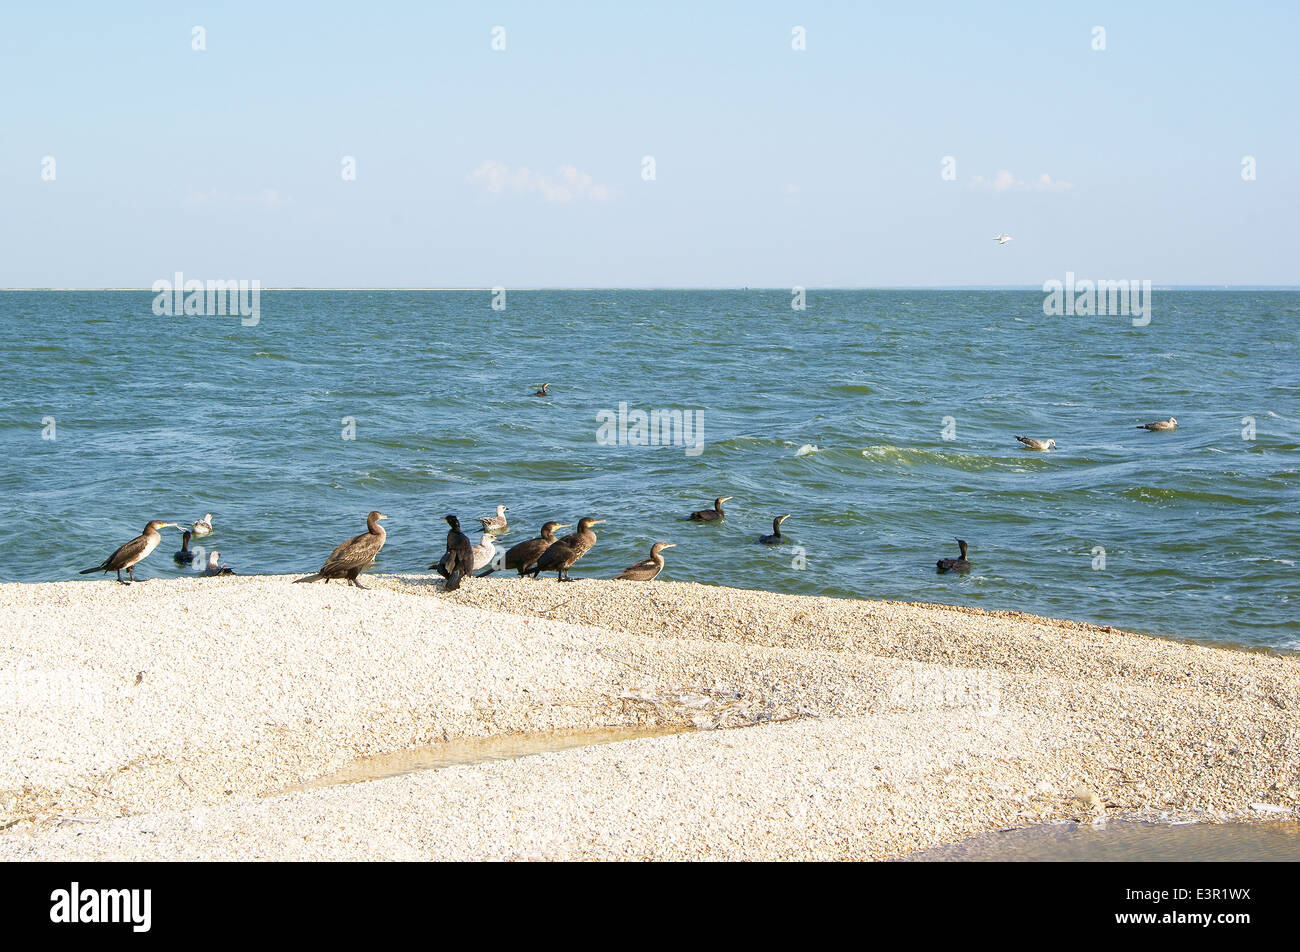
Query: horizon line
x=701, y=287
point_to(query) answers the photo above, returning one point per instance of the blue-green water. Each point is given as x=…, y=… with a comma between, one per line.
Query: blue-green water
x=172, y=417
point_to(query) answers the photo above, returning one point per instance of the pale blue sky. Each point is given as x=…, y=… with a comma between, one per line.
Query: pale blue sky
x=774, y=167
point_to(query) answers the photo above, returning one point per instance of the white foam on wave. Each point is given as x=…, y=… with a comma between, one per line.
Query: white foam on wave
x=806, y=449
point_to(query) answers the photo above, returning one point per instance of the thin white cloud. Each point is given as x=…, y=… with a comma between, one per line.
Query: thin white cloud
x=567, y=185
x=1005, y=181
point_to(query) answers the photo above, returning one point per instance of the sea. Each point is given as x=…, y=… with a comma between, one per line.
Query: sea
x=883, y=422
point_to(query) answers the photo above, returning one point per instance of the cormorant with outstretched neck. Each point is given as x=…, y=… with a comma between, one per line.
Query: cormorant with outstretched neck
x=353, y=556
x=458, y=560
x=542, y=392
x=128, y=555
x=711, y=515
x=647, y=569
x=495, y=524
x=523, y=555
x=561, y=554
x=955, y=565
x=184, y=556
x=775, y=537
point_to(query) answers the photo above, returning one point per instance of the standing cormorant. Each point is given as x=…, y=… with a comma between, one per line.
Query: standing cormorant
x=184, y=556
x=523, y=555
x=132, y=552
x=1033, y=444
x=775, y=537
x=353, y=556
x=647, y=569
x=214, y=566
x=955, y=565
x=711, y=515
x=458, y=560
x=1170, y=424
x=203, y=526
x=561, y=554
x=542, y=392
x=497, y=523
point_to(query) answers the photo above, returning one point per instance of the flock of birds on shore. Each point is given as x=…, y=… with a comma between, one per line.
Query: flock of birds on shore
x=545, y=553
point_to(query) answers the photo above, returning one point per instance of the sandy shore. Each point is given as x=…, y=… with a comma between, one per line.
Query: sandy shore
x=165, y=720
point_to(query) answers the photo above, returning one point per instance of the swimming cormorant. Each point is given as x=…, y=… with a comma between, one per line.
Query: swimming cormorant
x=132, y=552
x=647, y=569
x=523, y=555
x=542, y=392
x=184, y=556
x=1034, y=444
x=711, y=515
x=203, y=527
x=775, y=537
x=561, y=554
x=353, y=556
x=495, y=523
x=1170, y=424
x=458, y=560
x=955, y=565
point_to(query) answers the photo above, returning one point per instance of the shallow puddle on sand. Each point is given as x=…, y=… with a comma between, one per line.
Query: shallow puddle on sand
x=478, y=750
x=1130, y=841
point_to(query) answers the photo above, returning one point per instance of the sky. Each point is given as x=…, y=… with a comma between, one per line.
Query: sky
x=127, y=155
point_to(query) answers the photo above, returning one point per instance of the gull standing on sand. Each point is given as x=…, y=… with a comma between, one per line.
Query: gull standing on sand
x=128, y=555
x=1002, y=239
x=1033, y=444
x=458, y=560
x=1170, y=424
x=495, y=523
x=353, y=556
x=647, y=569
x=485, y=551
x=214, y=566
x=202, y=527
x=561, y=554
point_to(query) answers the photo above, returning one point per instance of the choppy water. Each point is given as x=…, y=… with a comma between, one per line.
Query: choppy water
x=171, y=417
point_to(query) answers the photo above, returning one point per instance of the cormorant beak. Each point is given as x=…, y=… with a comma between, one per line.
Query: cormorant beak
x=596, y=522
x=670, y=545
x=565, y=525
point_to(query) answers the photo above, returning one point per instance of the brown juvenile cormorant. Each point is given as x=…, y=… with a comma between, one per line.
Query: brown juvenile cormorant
x=1170, y=424
x=458, y=560
x=775, y=537
x=203, y=526
x=497, y=523
x=523, y=555
x=355, y=555
x=214, y=566
x=1033, y=444
x=132, y=552
x=711, y=515
x=647, y=569
x=955, y=565
x=561, y=554
x=542, y=392
x=184, y=556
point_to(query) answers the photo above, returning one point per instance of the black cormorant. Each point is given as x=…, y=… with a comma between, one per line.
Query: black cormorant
x=711, y=515
x=561, y=554
x=458, y=560
x=184, y=556
x=775, y=537
x=955, y=565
